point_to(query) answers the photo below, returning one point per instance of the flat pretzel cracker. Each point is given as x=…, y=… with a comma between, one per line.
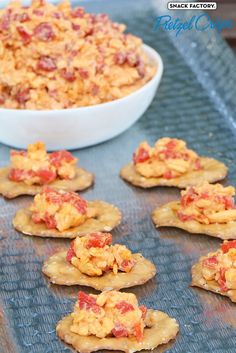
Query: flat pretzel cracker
x=212, y=171
x=161, y=330
x=107, y=217
x=11, y=189
x=199, y=281
x=62, y=272
x=165, y=216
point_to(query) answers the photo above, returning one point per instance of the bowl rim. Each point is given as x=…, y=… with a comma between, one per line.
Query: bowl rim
x=152, y=54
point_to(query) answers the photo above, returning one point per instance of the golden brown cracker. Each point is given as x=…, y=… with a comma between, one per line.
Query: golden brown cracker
x=212, y=172
x=161, y=329
x=11, y=189
x=166, y=216
x=106, y=218
x=62, y=272
x=199, y=281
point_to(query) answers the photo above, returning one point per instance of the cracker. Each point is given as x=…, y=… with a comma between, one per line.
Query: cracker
x=165, y=216
x=161, y=330
x=199, y=281
x=62, y=272
x=11, y=189
x=212, y=172
x=107, y=217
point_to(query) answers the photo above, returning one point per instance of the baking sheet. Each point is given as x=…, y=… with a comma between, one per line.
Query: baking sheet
x=196, y=102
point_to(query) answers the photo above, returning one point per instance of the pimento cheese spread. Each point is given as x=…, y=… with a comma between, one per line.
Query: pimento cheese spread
x=94, y=255
x=58, y=57
x=169, y=158
x=207, y=203
x=221, y=266
x=59, y=209
x=108, y=314
x=36, y=166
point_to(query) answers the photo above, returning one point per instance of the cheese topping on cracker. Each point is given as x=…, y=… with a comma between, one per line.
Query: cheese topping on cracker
x=169, y=158
x=36, y=166
x=94, y=255
x=221, y=266
x=109, y=314
x=207, y=204
x=59, y=209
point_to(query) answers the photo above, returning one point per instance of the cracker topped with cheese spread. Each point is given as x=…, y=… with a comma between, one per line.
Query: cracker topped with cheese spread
x=216, y=272
x=206, y=208
x=92, y=261
x=170, y=163
x=65, y=214
x=30, y=170
x=114, y=321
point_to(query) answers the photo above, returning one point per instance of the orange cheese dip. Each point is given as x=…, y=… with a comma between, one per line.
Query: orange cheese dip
x=58, y=57
x=169, y=158
x=108, y=314
x=208, y=204
x=59, y=209
x=36, y=166
x=94, y=255
x=221, y=266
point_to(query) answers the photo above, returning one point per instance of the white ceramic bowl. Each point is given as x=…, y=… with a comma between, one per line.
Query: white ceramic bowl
x=79, y=127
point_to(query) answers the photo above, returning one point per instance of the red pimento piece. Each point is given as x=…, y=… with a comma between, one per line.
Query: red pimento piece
x=77, y=201
x=70, y=252
x=222, y=281
x=168, y=175
x=99, y=240
x=38, y=12
x=52, y=195
x=15, y=174
x=144, y=311
x=141, y=156
x=87, y=302
x=56, y=15
x=78, y=12
x=210, y=262
x=83, y=73
x=44, y=32
x=47, y=64
x=171, y=144
x=25, y=36
x=46, y=176
x=58, y=157
x=184, y=217
x=5, y=21
x=119, y=58
x=75, y=27
x=225, y=247
x=119, y=330
x=68, y=75
x=19, y=153
x=198, y=165
x=23, y=95
x=126, y=265
x=124, y=307
x=23, y=17
x=94, y=89
x=2, y=99
x=188, y=198
x=50, y=221
x=138, y=333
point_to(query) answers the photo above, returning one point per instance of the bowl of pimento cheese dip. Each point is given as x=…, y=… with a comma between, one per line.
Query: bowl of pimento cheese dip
x=70, y=78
